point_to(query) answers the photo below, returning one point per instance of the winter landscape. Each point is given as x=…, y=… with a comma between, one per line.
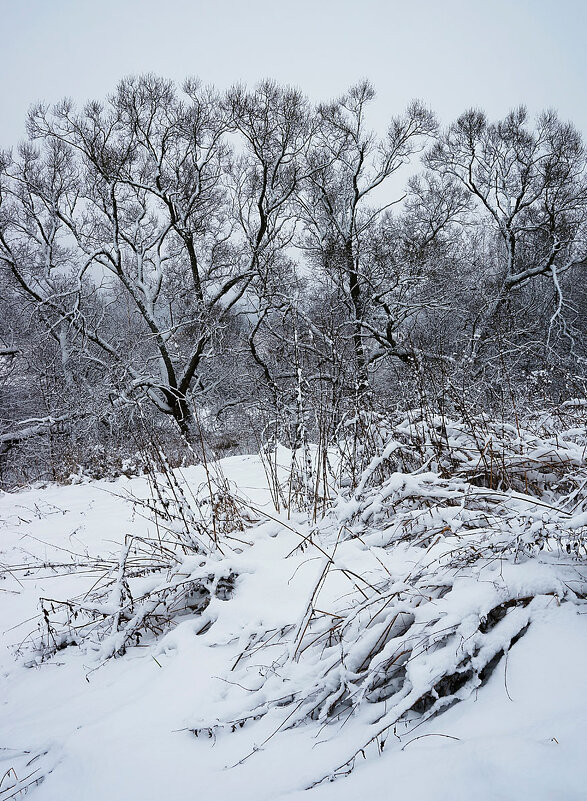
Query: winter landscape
x=293, y=422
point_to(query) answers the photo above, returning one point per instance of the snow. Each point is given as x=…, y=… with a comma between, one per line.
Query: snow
x=124, y=728
x=526, y=745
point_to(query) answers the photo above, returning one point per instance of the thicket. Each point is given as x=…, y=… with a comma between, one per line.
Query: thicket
x=435, y=544
x=246, y=268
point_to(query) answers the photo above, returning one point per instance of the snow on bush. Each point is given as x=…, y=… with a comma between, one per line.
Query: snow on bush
x=156, y=579
x=427, y=578
x=432, y=561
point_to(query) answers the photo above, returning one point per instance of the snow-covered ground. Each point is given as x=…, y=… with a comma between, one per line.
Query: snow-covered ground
x=124, y=728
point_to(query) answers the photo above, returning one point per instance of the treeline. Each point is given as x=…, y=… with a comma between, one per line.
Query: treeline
x=179, y=266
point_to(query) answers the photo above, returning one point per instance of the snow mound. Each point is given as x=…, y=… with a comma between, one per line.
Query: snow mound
x=450, y=568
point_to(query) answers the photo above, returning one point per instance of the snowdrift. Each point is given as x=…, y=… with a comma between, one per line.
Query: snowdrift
x=423, y=603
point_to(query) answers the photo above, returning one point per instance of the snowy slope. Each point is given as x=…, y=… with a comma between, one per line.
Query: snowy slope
x=124, y=729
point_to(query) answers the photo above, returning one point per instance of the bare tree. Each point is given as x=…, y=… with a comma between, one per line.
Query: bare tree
x=147, y=213
x=347, y=165
x=275, y=127
x=531, y=185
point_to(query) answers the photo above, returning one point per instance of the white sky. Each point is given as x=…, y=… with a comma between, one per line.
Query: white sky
x=453, y=54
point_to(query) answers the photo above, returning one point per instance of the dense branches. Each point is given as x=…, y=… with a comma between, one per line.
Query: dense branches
x=181, y=253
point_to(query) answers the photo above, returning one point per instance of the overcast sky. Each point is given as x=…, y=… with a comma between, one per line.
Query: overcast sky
x=453, y=54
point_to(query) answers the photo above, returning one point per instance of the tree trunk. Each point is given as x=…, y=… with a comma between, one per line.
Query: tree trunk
x=362, y=382
x=186, y=421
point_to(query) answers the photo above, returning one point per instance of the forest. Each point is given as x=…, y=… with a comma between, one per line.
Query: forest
x=220, y=271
